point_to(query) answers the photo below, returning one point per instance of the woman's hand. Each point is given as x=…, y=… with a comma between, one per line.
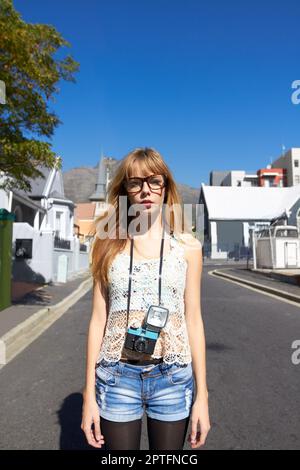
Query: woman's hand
x=90, y=415
x=199, y=415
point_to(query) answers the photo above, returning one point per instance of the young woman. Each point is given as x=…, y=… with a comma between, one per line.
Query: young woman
x=146, y=342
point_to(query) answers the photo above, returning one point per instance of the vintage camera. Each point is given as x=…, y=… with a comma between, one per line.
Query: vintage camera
x=143, y=339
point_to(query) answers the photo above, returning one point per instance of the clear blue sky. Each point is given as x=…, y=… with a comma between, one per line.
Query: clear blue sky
x=208, y=84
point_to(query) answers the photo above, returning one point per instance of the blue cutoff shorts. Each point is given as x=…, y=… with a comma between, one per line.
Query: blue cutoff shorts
x=123, y=390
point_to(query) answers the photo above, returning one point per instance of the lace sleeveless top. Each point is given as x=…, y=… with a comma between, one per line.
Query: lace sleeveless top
x=173, y=343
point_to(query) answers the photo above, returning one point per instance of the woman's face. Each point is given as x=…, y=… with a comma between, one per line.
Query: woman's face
x=152, y=190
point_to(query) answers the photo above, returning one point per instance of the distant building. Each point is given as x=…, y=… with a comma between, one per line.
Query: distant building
x=227, y=215
x=272, y=177
x=84, y=218
x=233, y=178
x=87, y=212
x=99, y=196
x=264, y=177
x=290, y=161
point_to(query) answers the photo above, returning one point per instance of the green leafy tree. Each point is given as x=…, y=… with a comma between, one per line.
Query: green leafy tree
x=31, y=74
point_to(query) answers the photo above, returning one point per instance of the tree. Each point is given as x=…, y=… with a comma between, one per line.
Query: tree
x=31, y=74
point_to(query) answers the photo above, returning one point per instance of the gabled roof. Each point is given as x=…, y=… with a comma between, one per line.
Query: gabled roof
x=58, y=195
x=19, y=196
x=51, y=185
x=38, y=185
x=248, y=202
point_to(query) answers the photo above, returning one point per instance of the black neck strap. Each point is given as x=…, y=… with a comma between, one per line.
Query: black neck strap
x=160, y=270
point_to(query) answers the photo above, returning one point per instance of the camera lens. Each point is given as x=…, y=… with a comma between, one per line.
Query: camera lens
x=140, y=344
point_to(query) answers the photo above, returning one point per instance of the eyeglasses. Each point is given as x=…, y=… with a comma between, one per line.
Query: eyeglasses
x=135, y=184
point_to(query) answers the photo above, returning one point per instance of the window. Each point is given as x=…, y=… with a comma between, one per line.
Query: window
x=58, y=217
x=286, y=233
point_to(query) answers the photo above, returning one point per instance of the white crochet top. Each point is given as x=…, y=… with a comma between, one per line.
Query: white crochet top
x=173, y=342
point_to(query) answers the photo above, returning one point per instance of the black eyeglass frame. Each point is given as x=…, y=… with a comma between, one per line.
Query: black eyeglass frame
x=146, y=179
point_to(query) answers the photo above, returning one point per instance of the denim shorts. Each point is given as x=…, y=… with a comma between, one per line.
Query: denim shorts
x=123, y=391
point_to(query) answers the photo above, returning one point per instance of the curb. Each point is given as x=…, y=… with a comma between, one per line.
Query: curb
x=289, y=279
x=270, y=290
x=19, y=337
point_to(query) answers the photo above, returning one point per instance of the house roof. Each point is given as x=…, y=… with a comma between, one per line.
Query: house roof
x=248, y=202
x=57, y=195
x=20, y=196
x=38, y=185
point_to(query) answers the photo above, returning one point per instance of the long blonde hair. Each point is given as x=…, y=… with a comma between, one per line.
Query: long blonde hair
x=104, y=250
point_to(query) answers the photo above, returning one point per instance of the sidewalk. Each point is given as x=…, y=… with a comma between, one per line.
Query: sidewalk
x=281, y=284
x=28, y=317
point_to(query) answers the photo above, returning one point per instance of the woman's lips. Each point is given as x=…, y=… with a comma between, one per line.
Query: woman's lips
x=147, y=205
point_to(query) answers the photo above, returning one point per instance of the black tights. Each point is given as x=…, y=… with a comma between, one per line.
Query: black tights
x=162, y=435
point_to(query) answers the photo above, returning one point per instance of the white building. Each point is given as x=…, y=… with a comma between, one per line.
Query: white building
x=233, y=178
x=43, y=230
x=228, y=214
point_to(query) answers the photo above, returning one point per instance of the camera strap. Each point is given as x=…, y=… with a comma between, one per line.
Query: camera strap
x=160, y=270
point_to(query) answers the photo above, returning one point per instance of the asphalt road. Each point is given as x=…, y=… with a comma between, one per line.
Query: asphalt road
x=254, y=397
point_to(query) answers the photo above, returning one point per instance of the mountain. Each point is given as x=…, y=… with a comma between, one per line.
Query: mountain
x=79, y=184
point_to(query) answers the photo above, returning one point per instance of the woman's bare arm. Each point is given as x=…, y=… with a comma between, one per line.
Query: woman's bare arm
x=195, y=327
x=95, y=336
x=192, y=298
x=90, y=410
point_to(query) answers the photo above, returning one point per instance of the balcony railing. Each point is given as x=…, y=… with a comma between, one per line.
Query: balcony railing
x=61, y=243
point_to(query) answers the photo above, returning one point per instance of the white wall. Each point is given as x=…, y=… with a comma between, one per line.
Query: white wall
x=40, y=266
x=44, y=263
